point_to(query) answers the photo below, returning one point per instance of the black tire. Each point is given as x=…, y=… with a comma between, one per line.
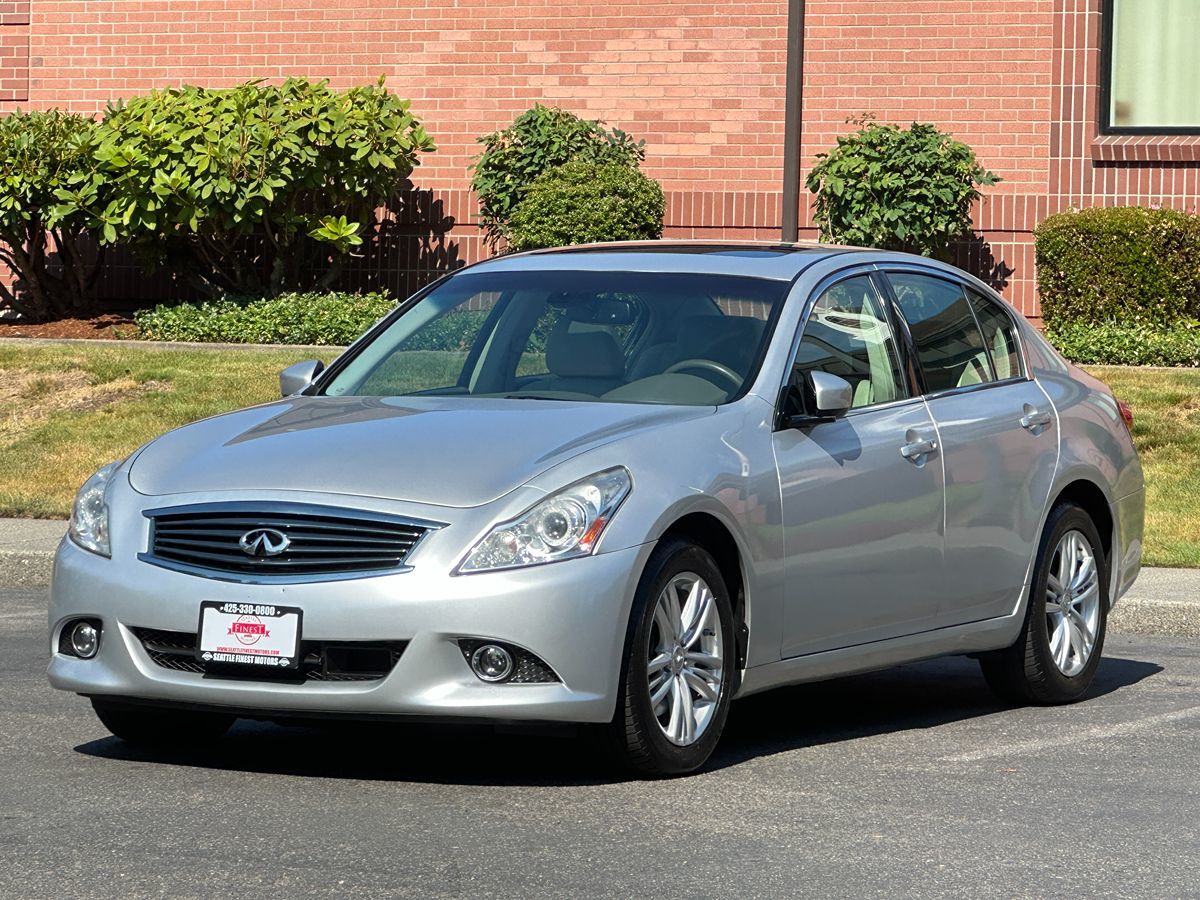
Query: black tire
x=640, y=742
x=149, y=726
x=1026, y=673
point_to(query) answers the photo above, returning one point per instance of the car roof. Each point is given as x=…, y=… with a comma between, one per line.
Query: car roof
x=761, y=259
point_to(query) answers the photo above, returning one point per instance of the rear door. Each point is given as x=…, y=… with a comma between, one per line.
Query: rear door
x=998, y=436
x=861, y=494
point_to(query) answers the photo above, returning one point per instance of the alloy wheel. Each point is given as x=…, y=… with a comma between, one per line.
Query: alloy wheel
x=685, y=660
x=1072, y=603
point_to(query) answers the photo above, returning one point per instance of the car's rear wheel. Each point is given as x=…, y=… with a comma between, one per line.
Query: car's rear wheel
x=150, y=726
x=1055, y=657
x=680, y=659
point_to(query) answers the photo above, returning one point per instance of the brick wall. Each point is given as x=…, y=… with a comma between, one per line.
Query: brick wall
x=14, y=51
x=702, y=83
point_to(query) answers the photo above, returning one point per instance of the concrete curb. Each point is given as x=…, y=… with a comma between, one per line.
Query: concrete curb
x=164, y=345
x=1163, y=602
x=1168, y=618
x=21, y=569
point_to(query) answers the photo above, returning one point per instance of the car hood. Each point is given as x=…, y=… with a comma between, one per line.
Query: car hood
x=447, y=451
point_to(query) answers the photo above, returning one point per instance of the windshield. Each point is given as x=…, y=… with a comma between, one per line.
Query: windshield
x=620, y=337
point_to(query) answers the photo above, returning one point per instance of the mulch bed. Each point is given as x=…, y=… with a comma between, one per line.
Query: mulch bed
x=107, y=326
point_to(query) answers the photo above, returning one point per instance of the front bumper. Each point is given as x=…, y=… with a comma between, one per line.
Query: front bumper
x=573, y=614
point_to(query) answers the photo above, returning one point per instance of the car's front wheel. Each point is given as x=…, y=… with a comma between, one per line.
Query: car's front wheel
x=680, y=660
x=1058, y=650
x=150, y=726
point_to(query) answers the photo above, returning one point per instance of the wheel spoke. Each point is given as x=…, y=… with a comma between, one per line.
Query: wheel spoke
x=1058, y=638
x=1063, y=573
x=1085, y=632
x=704, y=661
x=662, y=617
x=1087, y=597
x=687, y=718
x=673, y=613
x=659, y=663
x=1075, y=639
x=1052, y=608
x=1054, y=587
x=1085, y=573
x=698, y=683
x=699, y=609
x=659, y=693
x=1064, y=645
x=674, y=726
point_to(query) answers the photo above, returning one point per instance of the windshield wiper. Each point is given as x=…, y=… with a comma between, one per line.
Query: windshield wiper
x=539, y=397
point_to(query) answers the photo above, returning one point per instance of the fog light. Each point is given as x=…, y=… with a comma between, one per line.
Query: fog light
x=492, y=662
x=85, y=640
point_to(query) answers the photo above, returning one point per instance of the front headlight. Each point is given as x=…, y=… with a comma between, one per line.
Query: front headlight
x=89, y=516
x=564, y=525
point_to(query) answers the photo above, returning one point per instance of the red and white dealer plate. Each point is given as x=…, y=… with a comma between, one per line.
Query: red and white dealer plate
x=250, y=634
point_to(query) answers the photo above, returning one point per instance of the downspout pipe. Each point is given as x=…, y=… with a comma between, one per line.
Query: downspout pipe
x=793, y=121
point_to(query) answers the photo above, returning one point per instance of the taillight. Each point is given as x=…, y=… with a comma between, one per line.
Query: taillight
x=1126, y=412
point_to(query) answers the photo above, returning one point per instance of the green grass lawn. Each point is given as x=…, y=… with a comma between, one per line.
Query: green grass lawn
x=66, y=410
x=1166, y=429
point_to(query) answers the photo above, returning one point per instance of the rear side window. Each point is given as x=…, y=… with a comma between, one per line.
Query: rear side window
x=949, y=344
x=998, y=335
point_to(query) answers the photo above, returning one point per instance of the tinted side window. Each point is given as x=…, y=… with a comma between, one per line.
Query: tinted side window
x=998, y=335
x=848, y=334
x=949, y=345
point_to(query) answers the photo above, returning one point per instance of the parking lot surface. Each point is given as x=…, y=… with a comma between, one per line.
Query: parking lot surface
x=912, y=781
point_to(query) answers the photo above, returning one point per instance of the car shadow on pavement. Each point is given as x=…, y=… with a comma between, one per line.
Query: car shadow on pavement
x=910, y=697
x=917, y=696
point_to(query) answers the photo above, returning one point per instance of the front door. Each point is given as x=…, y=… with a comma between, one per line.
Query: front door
x=862, y=494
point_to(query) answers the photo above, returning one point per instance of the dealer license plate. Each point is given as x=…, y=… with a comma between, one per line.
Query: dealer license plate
x=250, y=634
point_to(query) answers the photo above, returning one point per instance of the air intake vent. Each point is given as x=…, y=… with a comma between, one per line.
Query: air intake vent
x=319, y=660
x=261, y=540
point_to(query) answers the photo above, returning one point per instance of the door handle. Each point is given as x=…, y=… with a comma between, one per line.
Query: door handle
x=916, y=449
x=1035, y=419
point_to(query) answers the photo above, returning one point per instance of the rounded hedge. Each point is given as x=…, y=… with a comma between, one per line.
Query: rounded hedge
x=538, y=140
x=583, y=203
x=1125, y=265
x=908, y=189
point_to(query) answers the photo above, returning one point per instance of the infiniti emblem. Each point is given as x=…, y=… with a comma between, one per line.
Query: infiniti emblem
x=264, y=542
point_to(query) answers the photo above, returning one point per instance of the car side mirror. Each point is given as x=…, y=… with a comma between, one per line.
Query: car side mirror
x=821, y=397
x=830, y=395
x=297, y=377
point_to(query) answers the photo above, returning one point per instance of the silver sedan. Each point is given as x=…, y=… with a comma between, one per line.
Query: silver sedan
x=620, y=485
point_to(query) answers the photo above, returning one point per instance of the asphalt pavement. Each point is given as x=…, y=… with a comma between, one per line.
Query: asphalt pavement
x=909, y=782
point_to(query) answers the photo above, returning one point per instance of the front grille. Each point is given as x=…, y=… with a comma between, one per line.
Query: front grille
x=319, y=660
x=317, y=541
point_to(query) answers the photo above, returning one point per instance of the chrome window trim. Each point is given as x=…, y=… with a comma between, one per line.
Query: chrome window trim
x=146, y=555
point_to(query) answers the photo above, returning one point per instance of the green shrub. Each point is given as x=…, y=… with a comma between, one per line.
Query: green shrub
x=1120, y=264
x=255, y=188
x=332, y=318
x=899, y=189
x=41, y=154
x=581, y=203
x=1113, y=344
x=536, y=142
